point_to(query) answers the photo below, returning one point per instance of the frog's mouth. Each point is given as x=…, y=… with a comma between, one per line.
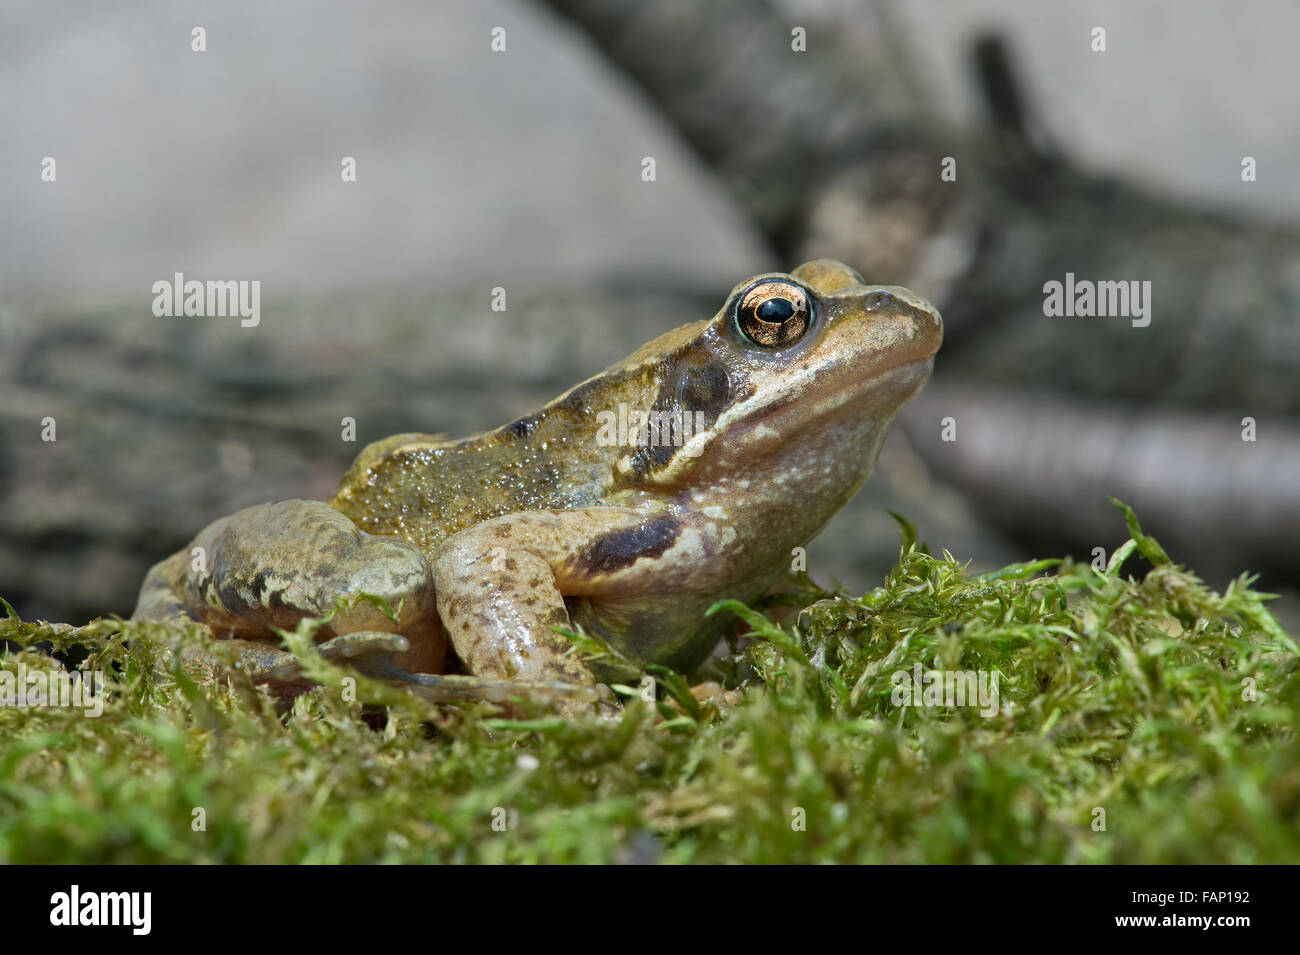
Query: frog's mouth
x=838, y=395
x=858, y=379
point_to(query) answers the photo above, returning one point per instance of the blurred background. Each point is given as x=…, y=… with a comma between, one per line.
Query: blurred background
x=521, y=169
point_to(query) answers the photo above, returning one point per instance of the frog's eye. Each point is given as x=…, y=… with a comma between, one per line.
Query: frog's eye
x=774, y=314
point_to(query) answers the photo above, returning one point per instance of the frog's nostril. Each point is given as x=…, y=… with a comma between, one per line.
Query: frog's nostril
x=879, y=299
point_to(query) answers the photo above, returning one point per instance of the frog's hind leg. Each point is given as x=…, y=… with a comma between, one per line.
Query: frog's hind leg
x=272, y=565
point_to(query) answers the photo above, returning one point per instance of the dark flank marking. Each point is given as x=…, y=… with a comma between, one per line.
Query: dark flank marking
x=257, y=587
x=523, y=427
x=274, y=599
x=228, y=595
x=619, y=549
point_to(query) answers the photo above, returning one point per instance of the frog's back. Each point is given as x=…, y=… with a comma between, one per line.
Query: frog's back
x=425, y=487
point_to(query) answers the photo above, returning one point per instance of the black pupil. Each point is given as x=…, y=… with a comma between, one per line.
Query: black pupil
x=775, y=310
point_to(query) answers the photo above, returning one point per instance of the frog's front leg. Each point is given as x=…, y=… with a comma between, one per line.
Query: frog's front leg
x=272, y=565
x=501, y=585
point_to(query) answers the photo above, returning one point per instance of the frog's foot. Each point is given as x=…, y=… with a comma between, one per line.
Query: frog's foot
x=441, y=689
x=369, y=653
x=273, y=565
x=373, y=655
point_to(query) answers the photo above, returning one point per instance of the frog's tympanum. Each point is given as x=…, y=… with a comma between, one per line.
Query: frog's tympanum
x=681, y=476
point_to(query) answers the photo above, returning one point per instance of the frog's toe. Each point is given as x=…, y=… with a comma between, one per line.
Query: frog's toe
x=262, y=663
x=378, y=655
x=371, y=653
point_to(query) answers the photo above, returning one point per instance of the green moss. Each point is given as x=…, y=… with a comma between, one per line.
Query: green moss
x=1150, y=698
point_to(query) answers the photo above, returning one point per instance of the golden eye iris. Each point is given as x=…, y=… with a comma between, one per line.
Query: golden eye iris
x=774, y=314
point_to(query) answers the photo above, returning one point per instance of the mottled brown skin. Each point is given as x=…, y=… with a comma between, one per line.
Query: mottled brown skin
x=538, y=524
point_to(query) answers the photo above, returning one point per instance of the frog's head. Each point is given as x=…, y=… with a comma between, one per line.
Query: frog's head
x=795, y=381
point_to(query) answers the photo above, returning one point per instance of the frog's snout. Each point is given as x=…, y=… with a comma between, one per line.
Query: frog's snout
x=917, y=321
